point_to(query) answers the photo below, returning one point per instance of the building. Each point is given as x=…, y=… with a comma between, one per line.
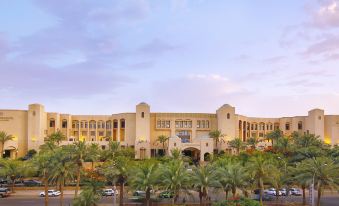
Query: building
x=188, y=132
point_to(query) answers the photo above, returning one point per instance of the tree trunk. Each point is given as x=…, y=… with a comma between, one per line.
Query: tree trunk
x=121, y=197
x=92, y=163
x=200, y=198
x=234, y=191
x=2, y=150
x=46, y=189
x=226, y=194
x=319, y=195
x=148, y=196
x=61, y=193
x=12, y=186
x=261, y=190
x=304, y=194
x=78, y=183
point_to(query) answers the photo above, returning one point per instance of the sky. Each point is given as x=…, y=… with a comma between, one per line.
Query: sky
x=266, y=58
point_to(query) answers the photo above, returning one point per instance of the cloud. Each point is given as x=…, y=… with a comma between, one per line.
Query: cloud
x=157, y=46
x=274, y=60
x=327, y=16
x=196, y=91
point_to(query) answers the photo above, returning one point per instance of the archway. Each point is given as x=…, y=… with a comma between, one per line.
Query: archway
x=10, y=152
x=207, y=157
x=193, y=153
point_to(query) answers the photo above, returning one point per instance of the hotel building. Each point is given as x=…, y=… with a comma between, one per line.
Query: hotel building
x=188, y=132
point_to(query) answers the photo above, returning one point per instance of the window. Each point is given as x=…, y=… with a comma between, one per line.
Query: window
x=142, y=114
x=101, y=133
x=115, y=124
x=73, y=125
x=168, y=124
x=92, y=133
x=252, y=126
x=108, y=125
x=86, y=124
x=64, y=123
x=203, y=123
x=198, y=124
x=189, y=124
x=158, y=123
x=207, y=124
x=103, y=147
x=287, y=126
x=52, y=123
x=228, y=116
x=300, y=125
x=82, y=125
x=122, y=122
x=319, y=117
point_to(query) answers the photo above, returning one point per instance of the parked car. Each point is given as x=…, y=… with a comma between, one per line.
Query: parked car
x=30, y=183
x=166, y=194
x=283, y=192
x=272, y=191
x=107, y=192
x=139, y=193
x=295, y=191
x=4, y=192
x=265, y=197
x=51, y=193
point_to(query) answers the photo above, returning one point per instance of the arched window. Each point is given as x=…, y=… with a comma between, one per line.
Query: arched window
x=228, y=115
x=300, y=125
x=51, y=123
x=64, y=123
x=287, y=126
x=142, y=114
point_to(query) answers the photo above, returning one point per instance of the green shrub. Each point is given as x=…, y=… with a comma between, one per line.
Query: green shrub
x=237, y=202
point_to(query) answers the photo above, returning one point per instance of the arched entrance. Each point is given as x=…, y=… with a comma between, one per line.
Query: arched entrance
x=10, y=152
x=193, y=153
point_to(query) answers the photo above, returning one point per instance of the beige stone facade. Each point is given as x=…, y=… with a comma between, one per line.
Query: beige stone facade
x=140, y=129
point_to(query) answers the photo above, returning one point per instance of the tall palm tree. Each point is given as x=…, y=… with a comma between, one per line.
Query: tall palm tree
x=324, y=172
x=162, y=139
x=283, y=145
x=118, y=170
x=253, y=142
x=236, y=177
x=221, y=164
x=260, y=167
x=203, y=178
x=43, y=165
x=93, y=154
x=274, y=135
x=176, y=154
x=4, y=137
x=145, y=178
x=237, y=144
x=174, y=178
x=80, y=150
x=63, y=169
x=14, y=169
x=91, y=193
x=217, y=136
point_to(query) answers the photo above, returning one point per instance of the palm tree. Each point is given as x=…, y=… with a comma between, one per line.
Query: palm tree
x=4, y=137
x=176, y=154
x=274, y=135
x=237, y=144
x=217, y=136
x=93, y=154
x=63, y=169
x=145, y=178
x=174, y=178
x=202, y=178
x=221, y=164
x=56, y=137
x=14, y=169
x=260, y=167
x=283, y=145
x=236, y=177
x=80, y=151
x=90, y=194
x=118, y=170
x=252, y=142
x=324, y=172
x=162, y=139
x=43, y=165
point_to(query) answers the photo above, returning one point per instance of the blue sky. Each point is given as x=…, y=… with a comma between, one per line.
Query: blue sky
x=267, y=58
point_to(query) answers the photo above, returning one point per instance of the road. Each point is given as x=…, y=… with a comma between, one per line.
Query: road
x=31, y=198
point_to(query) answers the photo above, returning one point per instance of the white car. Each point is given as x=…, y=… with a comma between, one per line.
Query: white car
x=272, y=191
x=295, y=191
x=109, y=192
x=51, y=193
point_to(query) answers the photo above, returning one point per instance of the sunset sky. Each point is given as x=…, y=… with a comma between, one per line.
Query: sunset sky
x=267, y=58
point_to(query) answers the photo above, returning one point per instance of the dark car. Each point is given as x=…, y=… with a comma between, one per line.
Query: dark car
x=30, y=183
x=265, y=197
x=4, y=192
x=166, y=194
